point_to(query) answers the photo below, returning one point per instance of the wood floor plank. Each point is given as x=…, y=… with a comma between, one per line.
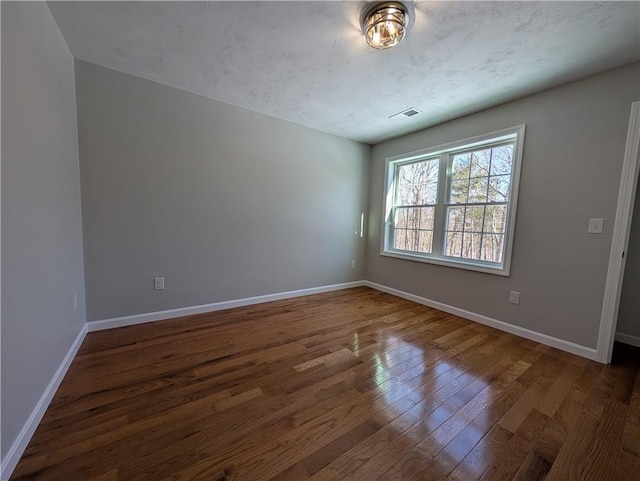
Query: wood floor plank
x=110, y=476
x=348, y=385
x=631, y=433
x=534, y=468
x=297, y=472
x=483, y=454
x=439, y=406
x=567, y=415
x=520, y=445
x=607, y=443
x=559, y=389
x=528, y=401
x=324, y=456
x=445, y=460
x=237, y=399
x=626, y=466
x=573, y=453
x=412, y=463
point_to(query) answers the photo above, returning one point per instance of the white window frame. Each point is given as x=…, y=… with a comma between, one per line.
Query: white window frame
x=514, y=134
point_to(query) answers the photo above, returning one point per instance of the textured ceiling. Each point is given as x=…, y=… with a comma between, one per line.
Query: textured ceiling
x=307, y=62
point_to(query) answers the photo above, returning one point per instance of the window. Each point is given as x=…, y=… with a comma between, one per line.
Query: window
x=455, y=204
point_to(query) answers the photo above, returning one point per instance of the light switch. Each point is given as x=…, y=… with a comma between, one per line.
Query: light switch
x=595, y=226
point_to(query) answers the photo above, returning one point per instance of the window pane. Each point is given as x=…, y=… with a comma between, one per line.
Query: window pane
x=400, y=220
x=412, y=240
x=476, y=232
x=502, y=160
x=405, y=186
x=414, y=226
x=480, y=162
x=413, y=218
x=459, y=189
x=427, y=217
x=495, y=218
x=478, y=190
x=492, y=247
x=453, y=244
x=400, y=239
x=455, y=219
x=460, y=166
x=425, y=241
x=499, y=188
x=471, y=246
x=418, y=183
x=474, y=218
x=429, y=193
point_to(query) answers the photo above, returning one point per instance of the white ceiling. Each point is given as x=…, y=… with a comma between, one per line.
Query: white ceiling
x=307, y=62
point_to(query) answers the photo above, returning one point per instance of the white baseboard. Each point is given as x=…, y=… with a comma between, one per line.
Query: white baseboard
x=561, y=344
x=216, y=306
x=628, y=339
x=14, y=454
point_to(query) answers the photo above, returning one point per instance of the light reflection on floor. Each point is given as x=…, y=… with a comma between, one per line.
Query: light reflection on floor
x=404, y=378
x=356, y=344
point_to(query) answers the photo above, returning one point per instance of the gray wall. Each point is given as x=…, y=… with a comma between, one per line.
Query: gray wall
x=41, y=218
x=573, y=152
x=223, y=202
x=629, y=314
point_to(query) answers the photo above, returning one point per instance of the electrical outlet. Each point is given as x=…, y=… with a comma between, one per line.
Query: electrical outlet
x=158, y=283
x=75, y=302
x=514, y=297
x=596, y=226
x=353, y=264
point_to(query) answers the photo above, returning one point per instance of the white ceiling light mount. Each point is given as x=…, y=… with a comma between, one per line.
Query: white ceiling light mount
x=385, y=25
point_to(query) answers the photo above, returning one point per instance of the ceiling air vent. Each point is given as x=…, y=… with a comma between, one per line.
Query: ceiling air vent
x=406, y=113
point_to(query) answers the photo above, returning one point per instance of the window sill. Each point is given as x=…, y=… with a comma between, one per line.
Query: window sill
x=448, y=262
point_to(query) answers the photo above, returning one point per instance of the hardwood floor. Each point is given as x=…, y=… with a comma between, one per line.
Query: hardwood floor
x=350, y=385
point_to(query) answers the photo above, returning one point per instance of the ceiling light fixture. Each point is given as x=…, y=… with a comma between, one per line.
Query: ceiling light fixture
x=385, y=25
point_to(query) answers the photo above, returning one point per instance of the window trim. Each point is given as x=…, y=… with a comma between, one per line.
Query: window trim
x=515, y=134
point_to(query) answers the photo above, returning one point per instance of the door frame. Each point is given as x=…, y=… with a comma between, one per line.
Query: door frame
x=620, y=240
